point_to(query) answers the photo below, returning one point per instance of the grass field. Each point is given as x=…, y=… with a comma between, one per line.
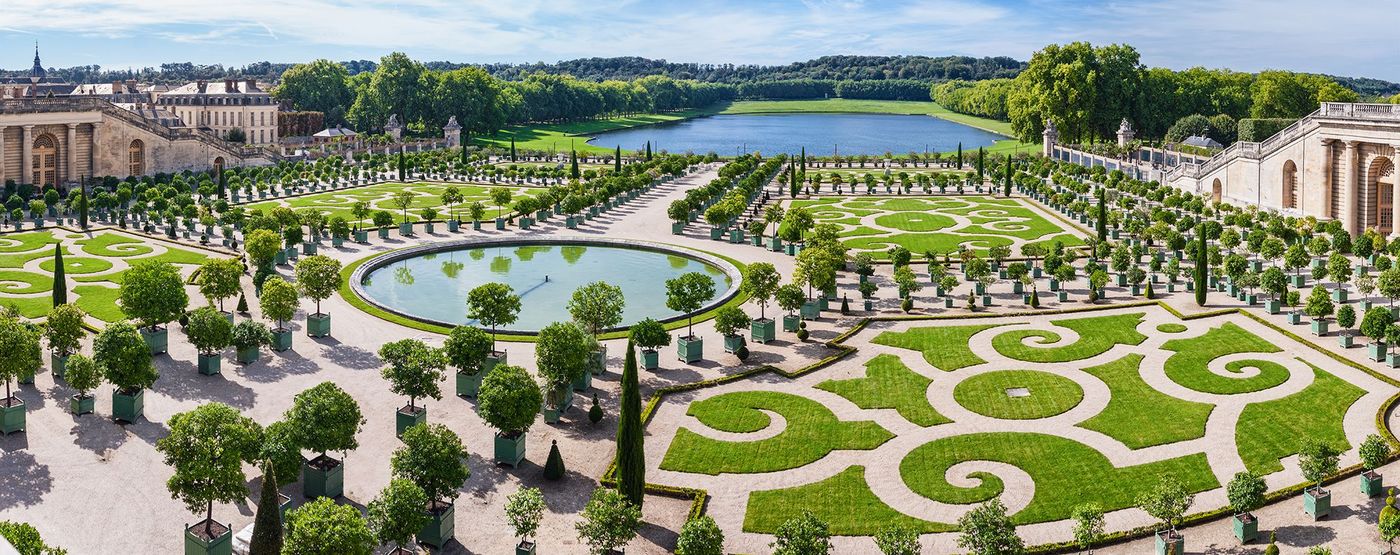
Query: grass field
x=889, y=384
x=560, y=137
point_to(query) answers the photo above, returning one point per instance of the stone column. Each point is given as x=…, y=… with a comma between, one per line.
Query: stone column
x=3, y=175
x=92, y=156
x=1395, y=196
x=1327, y=181
x=72, y=147
x=26, y=160
x=1352, y=189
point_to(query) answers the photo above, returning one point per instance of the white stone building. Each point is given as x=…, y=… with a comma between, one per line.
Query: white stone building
x=224, y=106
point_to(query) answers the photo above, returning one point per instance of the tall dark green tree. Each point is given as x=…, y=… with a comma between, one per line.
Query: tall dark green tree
x=1101, y=222
x=617, y=159
x=223, y=182
x=267, y=524
x=512, y=149
x=1202, y=265
x=466, y=141
x=960, y=158
x=83, y=206
x=631, y=457
x=648, y=151
x=402, y=164
x=60, y=281
x=981, y=164
x=1006, y=182
x=804, y=159
x=573, y=164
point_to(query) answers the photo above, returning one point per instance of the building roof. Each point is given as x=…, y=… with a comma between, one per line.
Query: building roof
x=226, y=86
x=38, y=70
x=1202, y=142
x=337, y=131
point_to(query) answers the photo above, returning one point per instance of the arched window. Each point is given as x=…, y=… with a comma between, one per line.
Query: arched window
x=1290, y=184
x=136, y=158
x=45, y=161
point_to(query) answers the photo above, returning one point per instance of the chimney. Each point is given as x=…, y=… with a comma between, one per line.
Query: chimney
x=252, y=85
x=131, y=86
x=229, y=86
x=116, y=87
x=201, y=85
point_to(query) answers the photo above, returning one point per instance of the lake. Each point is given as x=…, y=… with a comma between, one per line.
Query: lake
x=821, y=134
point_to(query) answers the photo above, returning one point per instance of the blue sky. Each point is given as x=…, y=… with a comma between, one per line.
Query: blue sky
x=1347, y=38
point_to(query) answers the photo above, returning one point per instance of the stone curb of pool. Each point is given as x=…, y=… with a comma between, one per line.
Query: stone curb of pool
x=358, y=276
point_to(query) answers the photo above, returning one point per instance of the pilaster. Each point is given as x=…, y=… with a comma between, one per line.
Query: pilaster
x=26, y=160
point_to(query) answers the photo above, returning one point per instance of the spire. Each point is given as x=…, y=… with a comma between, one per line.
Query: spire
x=37, y=71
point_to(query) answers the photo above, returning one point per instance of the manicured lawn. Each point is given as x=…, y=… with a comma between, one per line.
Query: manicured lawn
x=1140, y=416
x=843, y=501
x=560, y=137
x=22, y=242
x=914, y=221
x=1189, y=366
x=380, y=197
x=811, y=432
x=1272, y=430
x=1096, y=336
x=1171, y=327
x=991, y=394
x=889, y=384
x=945, y=347
x=1066, y=473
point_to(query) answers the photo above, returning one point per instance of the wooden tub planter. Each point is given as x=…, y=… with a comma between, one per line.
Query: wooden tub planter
x=281, y=340
x=1372, y=484
x=210, y=363
x=763, y=330
x=1345, y=341
x=651, y=359
x=208, y=537
x=469, y=383
x=59, y=364
x=405, y=229
x=318, y=325
x=1246, y=527
x=337, y=241
x=308, y=248
x=383, y=233
x=1317, y=502
x=12, y=415
x=407, y=417
x=453, y=226
x=732, y=343
x=157, y=339
x=128, y=406
x=598, y=361
x=81, y=405
x=247, y=355
x=583, y=382
x=1170, y=542
x=1376, y=350
x=525, y=548
x=557, y=402
x=791, y=323
x=323, y=476
x=690, y=349
x=361, y=236
x=509, y=449
x=441, y=523
x=1319, y=327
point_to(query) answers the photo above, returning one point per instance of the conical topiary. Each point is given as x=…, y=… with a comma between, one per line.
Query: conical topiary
x=60, y=282
x=1272, y=549
x=242, y=304
x=1035, y=299
x=595, y=414
x=267, y=525
x=554, y=467
x=1150, y=294
x=845, y=306
x=1389, y=509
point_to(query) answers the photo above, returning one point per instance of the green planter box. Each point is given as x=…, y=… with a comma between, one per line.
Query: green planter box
x=439, y=529
x=775, y=243
x=281, y=340
x=500, y=224
x=1054, y=284
x=1345, y=341
x=247, y=356
x=1317, y=502
x=1170, y=542
x=510, y=450
x=1392, y=361
x=428, y=228
x=492, y=360
x=383, y=233
x=308, y=248
x=197, y=544
x=158, y=340
x=948, y=302
x=716, y=233
x=1339, y=295
x=526, y=222
x=986, y=300
x=1319, y=327
x=791, y=250
x=1062, y=296
x=791, y=323
x=405, y=229
x=571, y=222
x=552, y=412
x=469, y=384
x=811, y=310
x=689, y=349
x=598, y=361
x=757, y=240
x=1376, y=350
x=764, y=330
x=476, y=225
x=1272, y=307
x=337, y=241
x=583, y=381
x=318, y=325
x=453, y=226
x=404, y=418
x=677, y=228
x=209, y=365
x=1372, y=484
x=1298, y=280
x=12, y=417
x=1295, y=318
x=59, y=364
x=525, y=548
x=736, y=236
x=651, y=359
x=1246, y=527
x=732, y=343
x=323, y=476
x=82, y=405
x=1017, y=288
x=128, y=407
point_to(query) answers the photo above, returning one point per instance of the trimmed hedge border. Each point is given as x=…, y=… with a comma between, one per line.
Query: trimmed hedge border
x=700, y=498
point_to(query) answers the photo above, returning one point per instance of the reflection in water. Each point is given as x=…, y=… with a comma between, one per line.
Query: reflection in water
x=527, y=253
x=403, y=275
x=500, y=264
x=451, y=268
x=476, y=254
x=572, y=253
x=677, y=262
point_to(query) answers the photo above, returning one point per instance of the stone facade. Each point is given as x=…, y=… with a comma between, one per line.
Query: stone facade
x=224, y=106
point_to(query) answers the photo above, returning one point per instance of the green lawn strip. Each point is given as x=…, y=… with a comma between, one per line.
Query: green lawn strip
x=1171, y=327
x=19, y=282
x=915, y=221
x=24, y=242
x=1067, y=239
x=844, y=502
x=926, y=242
x=1189, y=365
x=1097, y=335
x=1035, y=230
x=99, y=302
x=1066, y=473
x=1271, y=430
x=889, y=384
x=561, y=137
x=989, y=394
x=812, y=431
x=29, y=307
x=1140, y=416
x=944, y=347
x=74, y=265
x=114, y=245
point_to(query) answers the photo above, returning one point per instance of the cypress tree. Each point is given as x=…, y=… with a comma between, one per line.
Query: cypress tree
x=223, y=182
x=554, y=466
x=960, y=158
x=60, y=282
x=1202, y=264
x=465, y=142
x=981, y=164
x=648, y=151
x=242, y=304
x=512, y=149
x=631, y=458
x=793, y=186
x=573, y=164
x=267, y=525
x=82, y=209
x=617, y=159
x=401, y=164
x=804, y=159
x=1101, y=222
x=1006, y=185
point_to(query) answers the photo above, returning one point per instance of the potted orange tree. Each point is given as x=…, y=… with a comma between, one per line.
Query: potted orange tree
x=466, y=348
x=1245, y=493
x=23, y=355
x=323, y=419
x=432, y=457
x=650, y=335
x=509, y=401
x=125, y=360
x=1374, y=452
x=414, y=369
x=207, y=448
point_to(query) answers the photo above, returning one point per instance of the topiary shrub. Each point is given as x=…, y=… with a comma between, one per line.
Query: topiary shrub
x=845, y=306
x=907, y=304
x=554, y=466
x=242, y=304
x=802, y=334
x=595, y=414
x=1272, y=549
